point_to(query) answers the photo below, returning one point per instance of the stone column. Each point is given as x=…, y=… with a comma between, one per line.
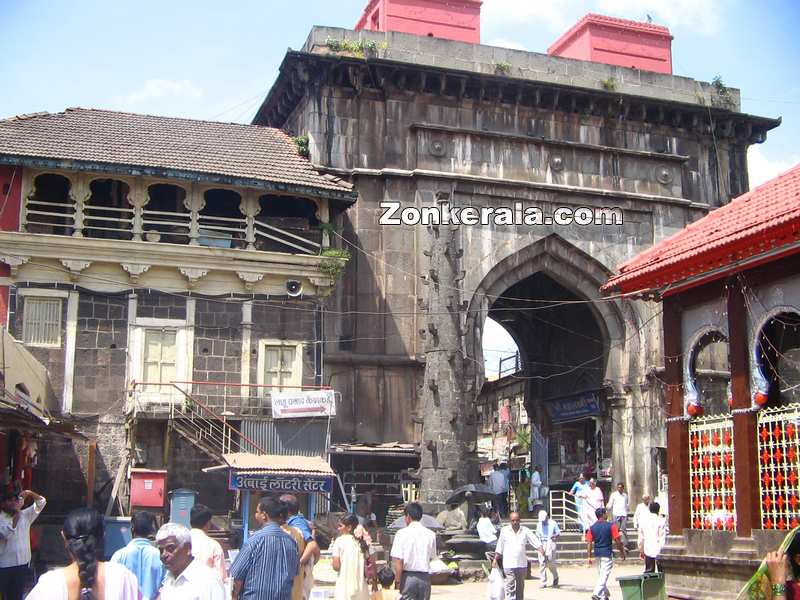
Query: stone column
x=448, y=431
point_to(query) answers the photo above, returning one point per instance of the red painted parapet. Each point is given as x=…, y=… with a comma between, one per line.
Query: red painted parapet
x=617, y=42
x=10, y=193
x=458, y=20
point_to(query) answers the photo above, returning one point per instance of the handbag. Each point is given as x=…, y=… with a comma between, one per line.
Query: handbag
x=370, y=568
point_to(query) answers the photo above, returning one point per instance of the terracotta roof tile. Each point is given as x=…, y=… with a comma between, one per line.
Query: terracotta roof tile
x=764, y=219
x=119, y=138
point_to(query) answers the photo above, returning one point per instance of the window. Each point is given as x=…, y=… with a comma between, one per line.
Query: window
x=160, y=356
x=280, y=365
x=41, y=324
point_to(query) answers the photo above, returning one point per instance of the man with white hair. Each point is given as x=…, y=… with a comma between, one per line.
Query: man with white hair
x=547, y=531
x=186, y=579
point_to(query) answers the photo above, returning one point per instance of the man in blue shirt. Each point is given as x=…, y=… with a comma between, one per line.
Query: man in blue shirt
x=267, y=564
x=141, y=557
x=603, y=535
x=547, y=531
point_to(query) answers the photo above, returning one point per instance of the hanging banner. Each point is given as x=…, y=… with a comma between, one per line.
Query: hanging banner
x=300, y=404
x=262, y=482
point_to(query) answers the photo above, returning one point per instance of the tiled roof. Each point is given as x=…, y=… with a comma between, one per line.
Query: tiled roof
x=766, y=219
x=248, y=152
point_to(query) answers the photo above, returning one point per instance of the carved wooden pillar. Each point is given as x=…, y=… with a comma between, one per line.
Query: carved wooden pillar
x=324, y=216
x=250, y=207
x=677, y=427
x=138, y=197
x=79, y=192
x=745, y=458
x=194, y=203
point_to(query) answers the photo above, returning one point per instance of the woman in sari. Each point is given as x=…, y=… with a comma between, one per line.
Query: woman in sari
x=778, y=577
x=349, y=558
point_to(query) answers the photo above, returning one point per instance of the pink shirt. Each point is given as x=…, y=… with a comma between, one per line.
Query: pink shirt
x=208, y=552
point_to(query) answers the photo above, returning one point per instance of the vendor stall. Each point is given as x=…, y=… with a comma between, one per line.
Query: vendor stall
x=275, y=474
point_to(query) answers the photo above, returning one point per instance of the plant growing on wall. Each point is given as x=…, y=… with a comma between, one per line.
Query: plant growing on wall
x=503, y=68
x=360, y=48
x=609, y=85
x=722, y=95
x=334, y=262
x=301, y=141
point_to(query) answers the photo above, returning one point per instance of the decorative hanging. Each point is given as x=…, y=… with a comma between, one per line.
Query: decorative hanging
x=759, y=384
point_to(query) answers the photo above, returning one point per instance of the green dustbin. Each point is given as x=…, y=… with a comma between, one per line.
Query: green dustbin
x=647, y=586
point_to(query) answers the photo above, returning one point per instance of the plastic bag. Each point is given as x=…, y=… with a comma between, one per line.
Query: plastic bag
x=496, y=585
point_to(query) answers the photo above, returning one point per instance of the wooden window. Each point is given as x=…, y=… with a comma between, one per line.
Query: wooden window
x=160, y=355
x=41, y=324
x=280, y=365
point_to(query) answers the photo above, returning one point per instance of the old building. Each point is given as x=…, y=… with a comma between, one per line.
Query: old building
x=729, y=288
x=169, y=274
x=420, y=121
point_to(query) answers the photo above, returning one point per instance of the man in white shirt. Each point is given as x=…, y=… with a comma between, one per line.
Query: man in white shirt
x=618, y=507
x=641, y=512
x=15, y=538
x=547, y=531
x=187, y=578
x=652, y=537
x=413, y=550
x=592, y=500
x=205, y=550
x=511, y=554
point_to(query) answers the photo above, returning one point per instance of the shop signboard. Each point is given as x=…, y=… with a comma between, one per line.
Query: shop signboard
x=574, y=408
x=272, y=482
x=307, y=403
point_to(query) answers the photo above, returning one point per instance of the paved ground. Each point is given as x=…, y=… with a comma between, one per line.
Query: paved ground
x=576, y=582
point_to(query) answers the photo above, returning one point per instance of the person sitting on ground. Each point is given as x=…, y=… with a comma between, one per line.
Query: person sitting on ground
x=453, y=518
x=186, y=576
x=85, y=578
x=486, y=529
x=140, y=557
x=386, y=579
x=205, y=549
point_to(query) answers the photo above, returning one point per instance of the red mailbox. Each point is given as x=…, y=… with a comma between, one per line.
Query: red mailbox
x=147, y=488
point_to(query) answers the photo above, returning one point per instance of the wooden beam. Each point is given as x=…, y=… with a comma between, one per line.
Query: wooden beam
x=745, y=453
x=677, y=430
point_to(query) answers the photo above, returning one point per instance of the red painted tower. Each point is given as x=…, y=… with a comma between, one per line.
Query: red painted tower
x=617, y=42
x=458, y=20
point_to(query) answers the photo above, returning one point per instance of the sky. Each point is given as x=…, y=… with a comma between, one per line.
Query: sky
x=213, y=60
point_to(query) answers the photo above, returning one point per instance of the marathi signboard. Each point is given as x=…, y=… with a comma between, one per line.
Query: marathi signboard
x=573, y=408
x=260, y=482
x=298, y=404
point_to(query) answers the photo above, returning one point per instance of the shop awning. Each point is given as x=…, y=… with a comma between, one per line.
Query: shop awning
x=276, y=473
x=396, y=449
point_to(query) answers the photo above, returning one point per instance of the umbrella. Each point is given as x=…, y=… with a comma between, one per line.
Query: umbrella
x=427, y=521
x=476, y=492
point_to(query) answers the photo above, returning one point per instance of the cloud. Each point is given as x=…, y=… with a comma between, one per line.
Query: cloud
x=553, y=15
x=762, y=169
x=504, y=43
x=163, y=88
x=703, y=16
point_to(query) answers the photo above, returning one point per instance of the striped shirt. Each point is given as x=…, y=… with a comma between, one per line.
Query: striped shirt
x=267, y=565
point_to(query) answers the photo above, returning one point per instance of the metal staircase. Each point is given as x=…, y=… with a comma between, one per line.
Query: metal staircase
x=195, y=422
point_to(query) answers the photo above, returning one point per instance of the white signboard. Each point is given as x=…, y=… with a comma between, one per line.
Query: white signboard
x=293, y=405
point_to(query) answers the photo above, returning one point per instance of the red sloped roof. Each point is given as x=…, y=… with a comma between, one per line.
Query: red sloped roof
x=766, y=219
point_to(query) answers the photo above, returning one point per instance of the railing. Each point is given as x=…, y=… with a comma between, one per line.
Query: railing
x=191, y=418
x=779, y=466
x=81, y=219
x=563, y=510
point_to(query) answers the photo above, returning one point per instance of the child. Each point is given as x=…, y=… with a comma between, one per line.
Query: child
x=386, y=579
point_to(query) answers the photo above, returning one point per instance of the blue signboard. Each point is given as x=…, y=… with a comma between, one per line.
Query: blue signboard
x=573, y=408
x=260, y=482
